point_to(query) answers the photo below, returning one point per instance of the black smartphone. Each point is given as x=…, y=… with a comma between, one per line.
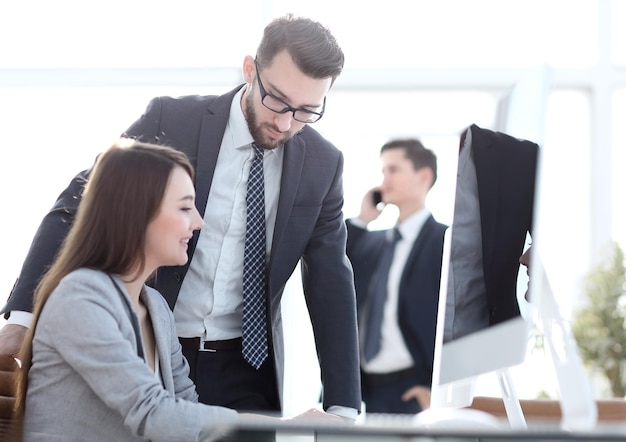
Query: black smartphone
x=377, y=197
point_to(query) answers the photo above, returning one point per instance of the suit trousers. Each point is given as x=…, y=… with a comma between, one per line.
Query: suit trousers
x=382, y=393
x=224, y=378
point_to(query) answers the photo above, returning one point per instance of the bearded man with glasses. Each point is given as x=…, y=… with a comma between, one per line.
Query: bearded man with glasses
x=284, y=92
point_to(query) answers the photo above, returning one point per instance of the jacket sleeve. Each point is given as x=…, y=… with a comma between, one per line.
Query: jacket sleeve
x=329, y=290
x=46, y=243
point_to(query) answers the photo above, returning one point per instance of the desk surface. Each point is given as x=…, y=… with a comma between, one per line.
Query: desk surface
x=609, y=410
x=391, y=428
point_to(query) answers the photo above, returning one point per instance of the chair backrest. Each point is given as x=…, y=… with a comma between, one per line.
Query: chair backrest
x=8, y=367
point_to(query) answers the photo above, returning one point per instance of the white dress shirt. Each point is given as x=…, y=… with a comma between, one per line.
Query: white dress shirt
x=210, y=301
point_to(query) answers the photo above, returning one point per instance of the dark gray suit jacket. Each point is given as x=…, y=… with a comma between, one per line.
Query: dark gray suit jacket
x=309, y=226
x=505, y=172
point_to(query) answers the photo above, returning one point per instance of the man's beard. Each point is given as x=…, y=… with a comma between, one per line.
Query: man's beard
x=258, y=135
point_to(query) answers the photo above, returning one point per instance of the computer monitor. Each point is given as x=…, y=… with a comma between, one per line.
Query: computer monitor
x=467, y=344
x=458, y=361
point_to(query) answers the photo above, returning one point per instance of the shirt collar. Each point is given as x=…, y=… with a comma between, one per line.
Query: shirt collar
x=410, y=227
x=238, y=126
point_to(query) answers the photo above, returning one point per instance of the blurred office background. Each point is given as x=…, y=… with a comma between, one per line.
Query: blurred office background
x=74, y=75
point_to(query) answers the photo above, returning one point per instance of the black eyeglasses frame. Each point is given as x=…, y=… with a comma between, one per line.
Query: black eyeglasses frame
x=314, y=116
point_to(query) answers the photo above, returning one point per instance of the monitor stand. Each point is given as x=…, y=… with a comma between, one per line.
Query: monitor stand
x=511, y=401
x=458, y=395
x=578, y=407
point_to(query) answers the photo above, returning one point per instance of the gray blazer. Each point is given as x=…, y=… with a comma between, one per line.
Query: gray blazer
x=87, y=381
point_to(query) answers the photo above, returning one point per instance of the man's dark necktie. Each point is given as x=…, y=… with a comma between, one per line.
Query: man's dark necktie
x=377, y=297
x=254, y=341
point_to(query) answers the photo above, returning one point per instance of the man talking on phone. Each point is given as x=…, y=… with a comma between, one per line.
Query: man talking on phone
x=397, y=273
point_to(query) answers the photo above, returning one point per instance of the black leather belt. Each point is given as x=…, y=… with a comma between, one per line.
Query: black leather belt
x=200, y=345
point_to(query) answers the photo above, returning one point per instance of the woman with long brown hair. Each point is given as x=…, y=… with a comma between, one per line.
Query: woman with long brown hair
x=101, y=360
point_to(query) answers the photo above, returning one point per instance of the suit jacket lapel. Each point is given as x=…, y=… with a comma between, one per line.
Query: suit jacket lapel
x=418, y=246
x=293, y=163
x=162, y=338
x=213, y=123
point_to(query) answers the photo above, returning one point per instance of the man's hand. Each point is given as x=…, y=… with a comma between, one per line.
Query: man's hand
x=369, y=211
x=11, y=338
x=420, y=393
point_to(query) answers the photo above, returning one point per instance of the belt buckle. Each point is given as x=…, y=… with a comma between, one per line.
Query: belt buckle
x=201, y=346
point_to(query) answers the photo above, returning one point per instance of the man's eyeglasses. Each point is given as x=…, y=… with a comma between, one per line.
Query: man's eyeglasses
x=277, y=105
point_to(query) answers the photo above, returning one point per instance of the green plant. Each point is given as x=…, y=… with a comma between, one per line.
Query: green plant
x=599, y=328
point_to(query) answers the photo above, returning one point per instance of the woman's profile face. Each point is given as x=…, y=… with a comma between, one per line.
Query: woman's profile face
x=168, y=234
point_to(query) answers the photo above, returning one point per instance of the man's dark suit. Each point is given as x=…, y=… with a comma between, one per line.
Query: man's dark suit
x=309, y=225
x=505, y=172
x=418, y=295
